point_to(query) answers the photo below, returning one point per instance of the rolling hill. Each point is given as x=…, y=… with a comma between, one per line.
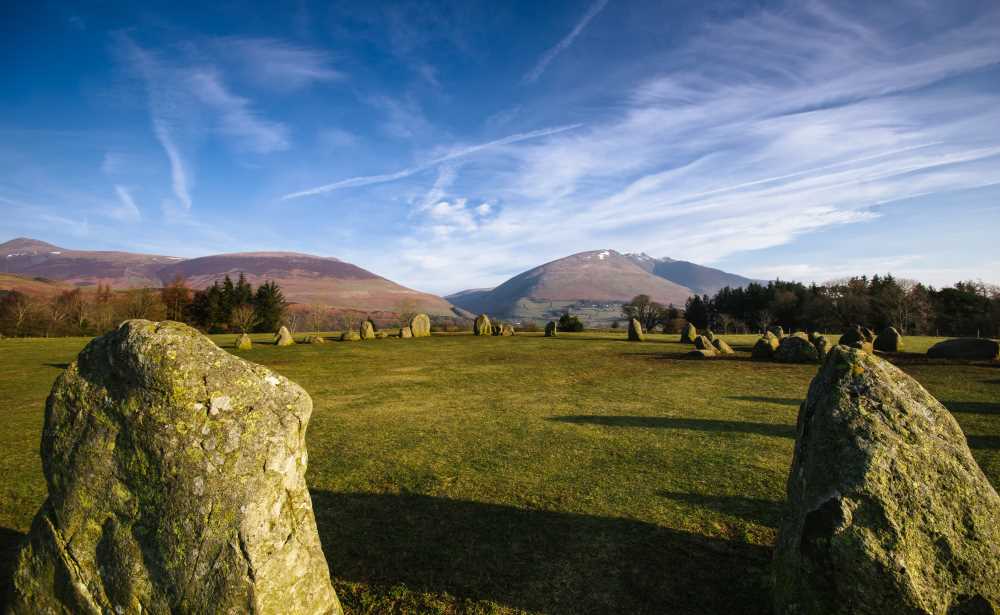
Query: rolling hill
x=304, y=278
x=591, y=284
x=699, y=278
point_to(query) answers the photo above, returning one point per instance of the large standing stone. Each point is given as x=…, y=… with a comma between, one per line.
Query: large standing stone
x=176, y=477
x=777, y=331
x=965, y=348
x=507, y=330
x=482, y=325
x=688, y=333
x=889, y=340
x=243, y=342
x=795, y=349
x=420, y=325
x=551, y=330
x=315, y=339
x=887, y=510
x=283, y=337
x=406, y=333
x=367, y=330
x=635, y=331
x=703, y=343
x=856, y=337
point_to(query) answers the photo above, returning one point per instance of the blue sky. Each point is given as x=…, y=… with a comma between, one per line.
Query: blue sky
x=449, y=146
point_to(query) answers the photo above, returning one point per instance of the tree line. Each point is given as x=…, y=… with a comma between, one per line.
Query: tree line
x=965, y=309
x=224, y=306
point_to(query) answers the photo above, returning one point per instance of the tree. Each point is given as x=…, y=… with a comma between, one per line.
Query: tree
x=15, y=310
x=244, y=318
x=570, y=323
x=270, y=305
x=696, y=311
x=316, y=317
x=141, y=303
x=176, y=297
x=406, y=309
x=648, y=312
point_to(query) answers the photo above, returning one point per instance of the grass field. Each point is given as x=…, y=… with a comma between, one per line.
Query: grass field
x=581, y=474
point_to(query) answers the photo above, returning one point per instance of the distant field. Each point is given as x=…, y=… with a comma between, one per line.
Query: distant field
x=581, y=474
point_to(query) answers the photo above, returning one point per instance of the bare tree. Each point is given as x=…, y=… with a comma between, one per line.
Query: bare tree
x=406, y=310
x=292, y=321
x=142, y=303
x=347, y=320
x=316, y=317
x=244, y=318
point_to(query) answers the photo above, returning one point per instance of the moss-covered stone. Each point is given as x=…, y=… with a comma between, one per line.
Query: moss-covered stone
x=688, y=333
x=763, y=349
x=635, y=333
x=243, y=342
x=551, y=330
x=176, y=477
x=887, y=510
x=889, y=340
x=722, y=347
x=703, y=343
x=777, y=331
x=283, y=337
x=482, y=325
x=796, y=349
x=966, y=348
x=420, y=325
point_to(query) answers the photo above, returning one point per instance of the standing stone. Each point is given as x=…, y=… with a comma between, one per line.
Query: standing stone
x=350, y=336
x=688, y=333
x=703, y=343
x=722, y=347
x=635, y=331
x=496, y=328
x=764, y=349
x=550, y=329
x=482, y=325
x=507, y=330
x=420, y=325
x=887, y=510
x=889, y=340
x=283, y=337
x=709, y=334
x=822, y=346
x=243, y=342
x=176, y=478
x=966, y=348
x=406, y=333
x=367, y=331
x=856, y=337
x=795, y=349
x=315, y=339
x=777, y=331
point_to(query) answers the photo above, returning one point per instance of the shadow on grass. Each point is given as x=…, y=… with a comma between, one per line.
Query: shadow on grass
x=991, y=443
x=755, y=510
x=669, y=422
x=973, y=407
x=535, y=560
x=56, y=365
x=10, y=542
x=784, y=401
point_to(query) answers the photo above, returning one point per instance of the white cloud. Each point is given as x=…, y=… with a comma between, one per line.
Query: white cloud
x=236, y=117
x=563, y=44
x=178, y=174
x=273, y=63
x=128, y=210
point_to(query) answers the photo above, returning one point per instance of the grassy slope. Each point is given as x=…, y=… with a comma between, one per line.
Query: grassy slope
x=580, y=474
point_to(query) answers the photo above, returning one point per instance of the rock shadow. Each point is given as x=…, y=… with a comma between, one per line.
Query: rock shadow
x=973, y=407
x=10, y=543
x=784, y=401
x=991, y=443
x=670, y=422
x=755, y=510
x=536, y=560
x=56, y=365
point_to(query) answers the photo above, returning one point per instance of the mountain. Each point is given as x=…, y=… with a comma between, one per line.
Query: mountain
x=591, y=285
x=700, y=279
x=303, y=278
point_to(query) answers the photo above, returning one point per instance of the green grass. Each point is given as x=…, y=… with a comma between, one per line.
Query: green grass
x=581, y=474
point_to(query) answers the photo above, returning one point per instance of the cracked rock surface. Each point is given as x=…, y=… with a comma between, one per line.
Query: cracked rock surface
x=176, y=478
x=887, y=510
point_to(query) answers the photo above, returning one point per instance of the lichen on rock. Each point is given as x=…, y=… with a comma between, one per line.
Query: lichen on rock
x=482, y=326
x=887, y=510
x=635, y=333
x=420, y=325
x=176, y=478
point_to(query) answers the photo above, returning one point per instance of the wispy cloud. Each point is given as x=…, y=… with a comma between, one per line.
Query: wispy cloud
x=178, y=175
x=543, y=63
x=128, y=210
x=274, y=63
x=237, y=119
x=455, y=154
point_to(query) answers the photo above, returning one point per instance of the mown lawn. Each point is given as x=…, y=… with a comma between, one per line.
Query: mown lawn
x=582, y=474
